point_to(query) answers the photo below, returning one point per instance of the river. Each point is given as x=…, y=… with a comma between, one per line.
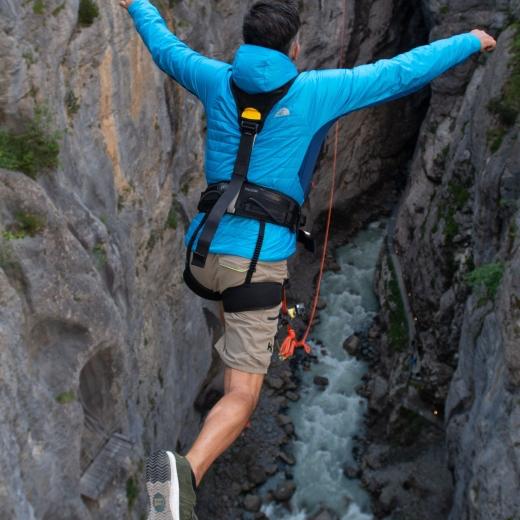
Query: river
x=327, y=421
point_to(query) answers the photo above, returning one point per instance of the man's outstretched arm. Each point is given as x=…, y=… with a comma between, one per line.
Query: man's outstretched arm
x=343, y=91
x=193, y=71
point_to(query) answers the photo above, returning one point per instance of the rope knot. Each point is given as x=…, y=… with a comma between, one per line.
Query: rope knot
x=290, y=344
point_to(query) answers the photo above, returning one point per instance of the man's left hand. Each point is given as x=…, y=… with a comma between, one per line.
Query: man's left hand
x=125, y=3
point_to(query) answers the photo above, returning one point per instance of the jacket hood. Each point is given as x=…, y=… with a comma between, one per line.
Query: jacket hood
x=259, y=69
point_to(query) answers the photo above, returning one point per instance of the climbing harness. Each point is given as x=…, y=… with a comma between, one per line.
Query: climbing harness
x=242, y=198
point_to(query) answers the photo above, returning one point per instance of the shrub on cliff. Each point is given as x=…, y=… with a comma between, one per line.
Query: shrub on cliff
x=486, y=279
x=26, y=225
x=31, y=150
x=88, y=12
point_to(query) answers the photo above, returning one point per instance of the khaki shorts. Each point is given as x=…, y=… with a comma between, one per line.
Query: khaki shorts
x=247, y=344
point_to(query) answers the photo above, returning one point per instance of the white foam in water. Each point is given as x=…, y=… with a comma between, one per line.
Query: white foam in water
x=327, y=421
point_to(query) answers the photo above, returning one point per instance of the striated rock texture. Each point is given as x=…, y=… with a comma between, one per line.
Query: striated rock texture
x=458, y=244
x=98, y=333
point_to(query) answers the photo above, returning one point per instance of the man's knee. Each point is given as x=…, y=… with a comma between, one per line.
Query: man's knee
x=245, y=383
x=248, y=398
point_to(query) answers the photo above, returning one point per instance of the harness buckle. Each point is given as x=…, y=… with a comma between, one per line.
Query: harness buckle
x=249, y=127
x=198, y=260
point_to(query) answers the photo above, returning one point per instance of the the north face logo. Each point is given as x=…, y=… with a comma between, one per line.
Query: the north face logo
x=283, y=112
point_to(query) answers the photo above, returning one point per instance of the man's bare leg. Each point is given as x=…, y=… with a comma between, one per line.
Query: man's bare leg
x=226, y=420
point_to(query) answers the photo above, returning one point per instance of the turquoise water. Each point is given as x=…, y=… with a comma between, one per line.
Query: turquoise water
x=326, y=422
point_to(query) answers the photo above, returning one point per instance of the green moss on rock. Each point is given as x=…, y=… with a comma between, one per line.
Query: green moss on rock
x=132, y=491
x=38, y=7
x=486, y=279
x=66, y=397
x=398, y=327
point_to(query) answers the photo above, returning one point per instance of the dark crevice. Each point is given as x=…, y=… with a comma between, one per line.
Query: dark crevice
x=96, y=395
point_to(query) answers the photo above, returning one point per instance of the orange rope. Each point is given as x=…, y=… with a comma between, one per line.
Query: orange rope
x=291, y=343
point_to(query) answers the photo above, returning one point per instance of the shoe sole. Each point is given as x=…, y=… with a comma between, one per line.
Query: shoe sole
x=162, y=484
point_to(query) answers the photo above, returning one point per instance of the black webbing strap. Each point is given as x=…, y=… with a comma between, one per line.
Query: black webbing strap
x=190, y=280
x=193, y=238
x=220, y=208
x=256, y=254
x=249, y=129
x=253, y=297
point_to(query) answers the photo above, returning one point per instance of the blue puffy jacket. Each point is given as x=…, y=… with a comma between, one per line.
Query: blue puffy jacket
x=286, y=150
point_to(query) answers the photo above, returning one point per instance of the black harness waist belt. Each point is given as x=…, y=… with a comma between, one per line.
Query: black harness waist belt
x=256, y=202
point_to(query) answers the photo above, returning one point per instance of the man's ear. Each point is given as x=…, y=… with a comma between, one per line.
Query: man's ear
x=296, y=48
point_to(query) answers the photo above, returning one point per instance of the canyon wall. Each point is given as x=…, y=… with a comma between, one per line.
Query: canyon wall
x=98, y=333
x=454, y=392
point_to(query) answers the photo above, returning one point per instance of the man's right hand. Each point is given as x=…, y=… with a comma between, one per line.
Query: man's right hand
x=488, y=43
x=125, y=3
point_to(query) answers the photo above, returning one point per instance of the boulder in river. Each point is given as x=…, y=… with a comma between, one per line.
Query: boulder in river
x=351, y=471
x=271, y=469
x=322, y=305
x=352, y=345
x=321, y=382
x=257, y=475
x=274, y=382
x=247, y=486
x=284, y=491
x=374, y=332
x=252, y=503
x=287, y=458
x=283, y=420
x=292, y=396
x=325, y=514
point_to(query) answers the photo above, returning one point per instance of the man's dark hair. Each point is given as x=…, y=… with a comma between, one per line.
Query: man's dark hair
x=273, y=24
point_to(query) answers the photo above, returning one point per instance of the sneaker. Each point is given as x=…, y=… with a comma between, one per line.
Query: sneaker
x=170, y=487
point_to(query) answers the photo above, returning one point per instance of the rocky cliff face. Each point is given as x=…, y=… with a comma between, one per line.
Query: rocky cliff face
x=99, y=336
x=98, y=333
x=458, y=245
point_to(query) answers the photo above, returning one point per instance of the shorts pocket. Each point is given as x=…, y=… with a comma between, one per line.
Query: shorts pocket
x=235, y=263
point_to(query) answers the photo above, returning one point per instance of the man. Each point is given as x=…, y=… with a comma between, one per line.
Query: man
x=283, y=160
